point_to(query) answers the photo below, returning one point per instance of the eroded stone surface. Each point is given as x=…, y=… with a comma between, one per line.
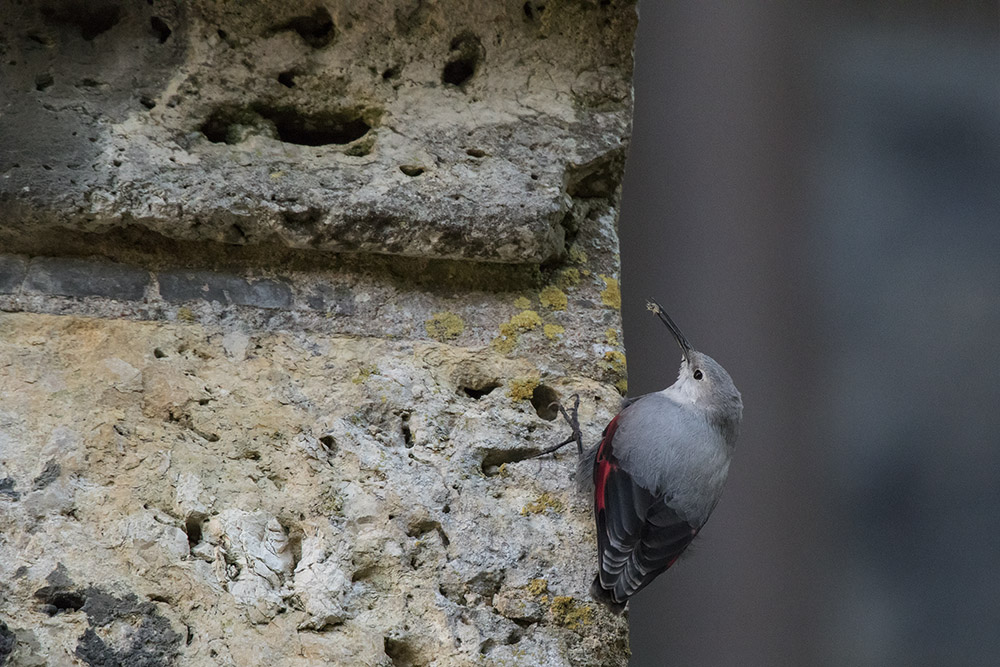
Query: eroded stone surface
x=453, y=129
x=172, y=492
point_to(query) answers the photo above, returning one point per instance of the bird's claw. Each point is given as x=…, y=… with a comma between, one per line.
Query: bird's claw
x=572, y=418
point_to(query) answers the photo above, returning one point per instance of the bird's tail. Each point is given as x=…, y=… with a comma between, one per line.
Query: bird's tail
x=604, y=597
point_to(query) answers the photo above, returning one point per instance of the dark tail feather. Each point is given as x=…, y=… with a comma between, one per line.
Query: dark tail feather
x=604, y=597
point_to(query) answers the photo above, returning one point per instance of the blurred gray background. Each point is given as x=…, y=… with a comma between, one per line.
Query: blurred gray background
x=813, y=192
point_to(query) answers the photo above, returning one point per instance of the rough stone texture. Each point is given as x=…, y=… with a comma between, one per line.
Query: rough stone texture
x=453, y=129
x=222, y=444
x=287, y=498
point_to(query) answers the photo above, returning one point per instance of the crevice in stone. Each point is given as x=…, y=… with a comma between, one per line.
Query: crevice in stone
x=425, y=526
x=193, y=527
x=495, y=458
x=405, y=428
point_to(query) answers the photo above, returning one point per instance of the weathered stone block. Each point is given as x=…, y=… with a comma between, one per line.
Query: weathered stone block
x=63, y=276
x=223, y=288
x=13, y=269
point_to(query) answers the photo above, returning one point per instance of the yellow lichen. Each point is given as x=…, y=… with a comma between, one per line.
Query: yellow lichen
x=612, y=294
x=615, y=361
x=364, y=373
x=622, y=386
x=522, y=302
x=504, y=344
x=568, y=277
x=186, y=314
x=538, y=587
x=553, y=331
x=521, y=389
x=553, y=297
x=526, y=320
x=568, y=613
x=611, y=336
x=546, y=501
x=444, y=326
x=577, y=254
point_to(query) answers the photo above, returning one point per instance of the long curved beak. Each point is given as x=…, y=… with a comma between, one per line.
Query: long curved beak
x=678, y=336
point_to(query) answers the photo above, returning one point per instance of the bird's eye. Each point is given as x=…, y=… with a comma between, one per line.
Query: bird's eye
x=698, y=375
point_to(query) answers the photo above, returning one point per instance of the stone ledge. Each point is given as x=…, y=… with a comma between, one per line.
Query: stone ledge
x=362, y=127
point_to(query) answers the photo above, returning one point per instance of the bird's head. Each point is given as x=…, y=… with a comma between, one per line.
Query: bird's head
x=701, y=380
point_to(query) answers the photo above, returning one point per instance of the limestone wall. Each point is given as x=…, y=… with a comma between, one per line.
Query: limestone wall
x=286, y=290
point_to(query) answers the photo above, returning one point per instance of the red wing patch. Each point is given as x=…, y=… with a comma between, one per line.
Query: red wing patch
x=604, y=463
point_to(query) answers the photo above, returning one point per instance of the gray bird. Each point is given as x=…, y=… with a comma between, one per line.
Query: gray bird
x=658, y=471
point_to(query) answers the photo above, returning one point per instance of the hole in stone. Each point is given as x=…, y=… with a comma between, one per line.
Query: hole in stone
x=43, y=81
x=303, y=219
x=542, y=399
x=147, y=101
x=480, y=391
x=287, y=79
x=295, y=127
x=159, y=353
x=160, y=29
x=91, y=22
x=467, y=53
x=328, y=442
x=407, y=433
x=59, y=598
x=401, y=652
x=391, y=72
x=222, y=33
x=316, y=29
x=475, y=152
x=533, y=10
x=411, y=169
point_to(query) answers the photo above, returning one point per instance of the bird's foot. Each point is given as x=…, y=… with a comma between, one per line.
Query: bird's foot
x=572, y=418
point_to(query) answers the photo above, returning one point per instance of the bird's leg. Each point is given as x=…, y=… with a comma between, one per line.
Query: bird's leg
x=572, y=418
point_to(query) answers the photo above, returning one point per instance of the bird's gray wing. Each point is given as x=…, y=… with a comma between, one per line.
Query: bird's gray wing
x=638, y=534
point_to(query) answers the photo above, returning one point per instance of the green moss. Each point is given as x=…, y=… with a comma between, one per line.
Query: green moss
x=521, y=389
x=546, y=501
x=444, y=326
x=612, y=294
x=568, y=613
x=554, y=298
